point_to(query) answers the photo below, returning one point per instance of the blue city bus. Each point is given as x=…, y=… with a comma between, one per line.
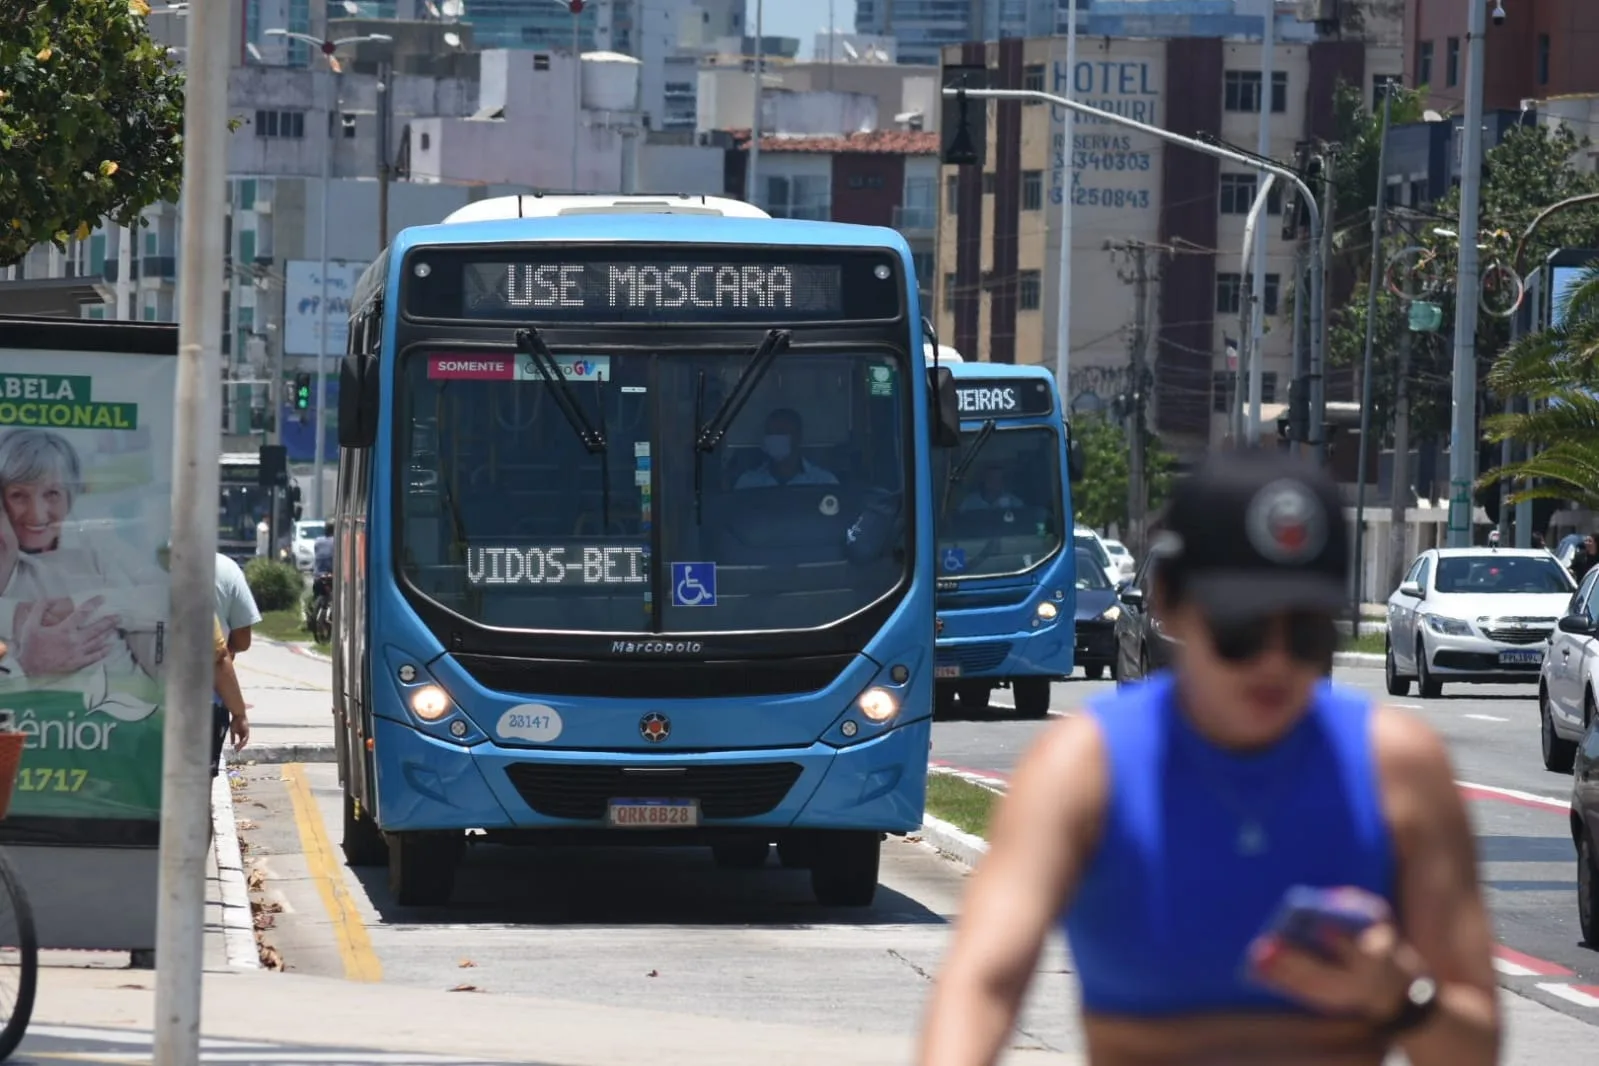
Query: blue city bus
x=1007, y=571
x=635, y=539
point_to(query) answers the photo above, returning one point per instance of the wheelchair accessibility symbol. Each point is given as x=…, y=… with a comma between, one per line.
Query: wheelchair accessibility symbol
x=952, y=560
x=693, y=584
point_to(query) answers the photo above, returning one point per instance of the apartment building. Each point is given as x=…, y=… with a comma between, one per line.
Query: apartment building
x=1541, y=50
x=999, y=227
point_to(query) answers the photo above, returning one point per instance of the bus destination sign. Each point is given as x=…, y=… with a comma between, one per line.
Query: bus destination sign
x=1002, y=398
x=598, y=286
x=563, y=564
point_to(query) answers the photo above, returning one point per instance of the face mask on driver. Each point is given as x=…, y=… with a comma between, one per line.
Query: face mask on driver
x=777, y=446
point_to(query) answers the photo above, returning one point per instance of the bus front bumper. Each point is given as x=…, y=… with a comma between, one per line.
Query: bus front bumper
x=1046, y=652
x=424, y=783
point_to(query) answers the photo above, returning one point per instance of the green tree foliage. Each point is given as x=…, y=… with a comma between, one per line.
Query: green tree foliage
x=1558, y=369
x=1101, y=497
x=91, y=119
x=1529, y=170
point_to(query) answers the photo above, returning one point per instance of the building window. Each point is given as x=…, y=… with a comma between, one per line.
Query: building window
x=1241, y=90
x=807, y=196
x=1029, y=291
x=1238, y=194
x=287, y=124
x=1423, y=63
x=949, y=290
x=1279, y=92
x=1221, y=390
x=1543, y=59
x=247, y=194
x=1033, y=81
x=97, y=255
x=1273, y=289
x=1268, y=387
x=1229, y=290
x=1452, y=63
x=952, y=195
x=1032, y=190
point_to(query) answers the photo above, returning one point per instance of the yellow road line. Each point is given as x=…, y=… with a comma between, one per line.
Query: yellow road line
x=349, y=931
x=297, y=682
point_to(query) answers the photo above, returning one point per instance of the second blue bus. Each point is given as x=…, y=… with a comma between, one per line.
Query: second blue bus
x=1007, y=572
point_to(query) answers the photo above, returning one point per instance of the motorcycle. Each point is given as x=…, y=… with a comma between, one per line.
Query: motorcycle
x=319, y=609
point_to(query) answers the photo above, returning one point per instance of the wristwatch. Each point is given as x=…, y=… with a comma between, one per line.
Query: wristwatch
x=1420, y=1002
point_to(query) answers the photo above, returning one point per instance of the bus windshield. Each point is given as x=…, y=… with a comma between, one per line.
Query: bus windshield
x=1004, y=513
x=513, y=517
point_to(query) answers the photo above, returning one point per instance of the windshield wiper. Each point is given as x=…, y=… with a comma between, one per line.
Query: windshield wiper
x=530, y=344
x=970, y=455
x=712, y=432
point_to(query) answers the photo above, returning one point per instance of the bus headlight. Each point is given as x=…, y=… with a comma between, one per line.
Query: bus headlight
x=878, y=705
x=1047, y=611
x=430, y=702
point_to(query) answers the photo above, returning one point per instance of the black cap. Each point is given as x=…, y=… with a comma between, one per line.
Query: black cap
x=1257, y=532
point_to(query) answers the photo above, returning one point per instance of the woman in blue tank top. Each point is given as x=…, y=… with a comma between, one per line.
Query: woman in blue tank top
x=1162, y=827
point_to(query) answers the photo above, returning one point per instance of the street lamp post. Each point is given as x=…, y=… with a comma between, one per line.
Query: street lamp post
x=329, y=48
x=1463, y=413
x=755, y=121
x=1063, y=299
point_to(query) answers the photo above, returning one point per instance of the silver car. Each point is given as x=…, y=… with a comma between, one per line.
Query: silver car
x=1481, y=615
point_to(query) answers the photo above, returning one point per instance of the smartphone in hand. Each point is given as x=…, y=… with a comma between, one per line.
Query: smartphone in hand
x=1313, y=919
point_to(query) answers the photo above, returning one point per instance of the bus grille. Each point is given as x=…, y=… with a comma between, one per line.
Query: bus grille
x=973, y=658
x=741, y=790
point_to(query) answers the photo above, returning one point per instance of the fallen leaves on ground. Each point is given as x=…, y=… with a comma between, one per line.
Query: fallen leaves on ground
x=245, y=823
x=466, y=988
x=466, y=964
x=653, y=973
x=270, y=957
x=255, y=880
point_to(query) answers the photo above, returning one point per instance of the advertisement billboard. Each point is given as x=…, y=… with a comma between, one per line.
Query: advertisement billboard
x=85, y=511
x=307, y=324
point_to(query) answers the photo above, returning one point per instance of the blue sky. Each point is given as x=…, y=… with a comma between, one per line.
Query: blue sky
x=802, y=18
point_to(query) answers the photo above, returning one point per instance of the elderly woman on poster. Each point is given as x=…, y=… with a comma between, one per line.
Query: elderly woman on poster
x=71, y=599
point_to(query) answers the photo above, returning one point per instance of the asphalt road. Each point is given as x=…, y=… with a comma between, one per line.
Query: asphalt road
x=1528, y=863
x=666, y=929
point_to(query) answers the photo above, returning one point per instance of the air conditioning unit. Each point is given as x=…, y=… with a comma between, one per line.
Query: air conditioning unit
x=263, y=207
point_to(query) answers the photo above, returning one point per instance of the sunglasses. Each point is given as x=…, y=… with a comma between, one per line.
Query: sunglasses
x=1310, y=638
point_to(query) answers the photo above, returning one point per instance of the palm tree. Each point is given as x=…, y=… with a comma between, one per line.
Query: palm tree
x=1557, y=370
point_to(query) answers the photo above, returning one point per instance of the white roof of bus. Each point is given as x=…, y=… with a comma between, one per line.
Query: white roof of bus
x=946, y=354
x=510, y=207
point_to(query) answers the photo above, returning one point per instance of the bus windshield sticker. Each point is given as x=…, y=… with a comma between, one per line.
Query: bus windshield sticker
x=535, y=723
x=479, y=367
x=641, y=447
x=563, y=564
x=693, y=584
x=953, y=560
x=880, y=380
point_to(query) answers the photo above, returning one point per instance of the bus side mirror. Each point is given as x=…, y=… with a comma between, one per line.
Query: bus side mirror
x=1076, y=464
x=358, y=401
x=946, y=415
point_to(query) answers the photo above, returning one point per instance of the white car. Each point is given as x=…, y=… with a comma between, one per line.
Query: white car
x=303, y=547
x=1570, y=678
x=1085, y=539
x=1473, y=615
x=1121, y=557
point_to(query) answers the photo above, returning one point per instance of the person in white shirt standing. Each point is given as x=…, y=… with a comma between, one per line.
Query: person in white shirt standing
x=237, y=612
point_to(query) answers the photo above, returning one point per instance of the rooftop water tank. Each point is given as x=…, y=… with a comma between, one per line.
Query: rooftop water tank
x=610, y=81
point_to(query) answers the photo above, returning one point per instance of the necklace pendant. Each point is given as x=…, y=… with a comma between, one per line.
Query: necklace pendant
x=1251, y=838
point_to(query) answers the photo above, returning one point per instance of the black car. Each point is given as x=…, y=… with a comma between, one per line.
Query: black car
x=1585, y=831
x=1141, y=647
x=1097, y=608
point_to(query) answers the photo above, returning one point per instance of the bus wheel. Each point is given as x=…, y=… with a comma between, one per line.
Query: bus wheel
x=844, y=868
x=943, y=700
x=747, y=854
x=363, y=841
x=974, y=696
x=1032, y=696
x=422, y=867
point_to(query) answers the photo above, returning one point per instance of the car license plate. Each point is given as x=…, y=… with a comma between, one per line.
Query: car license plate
x=946, y=671
x=1521, y=656
x=653, y=814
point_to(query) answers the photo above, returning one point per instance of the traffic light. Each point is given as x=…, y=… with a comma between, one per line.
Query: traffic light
x=575, y=6
x=302, y=391
x=294, y=501
x=1296, y=426
x=964, y=121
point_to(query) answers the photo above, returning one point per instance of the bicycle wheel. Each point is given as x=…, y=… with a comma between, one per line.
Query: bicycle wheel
x=1501, y=290
x=19, y=952
x=1412, y=272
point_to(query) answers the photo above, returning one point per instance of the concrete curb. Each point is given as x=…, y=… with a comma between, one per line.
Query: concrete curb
x=1357, y=658
x=279, y=754
x=238, y=921
x=952, y=842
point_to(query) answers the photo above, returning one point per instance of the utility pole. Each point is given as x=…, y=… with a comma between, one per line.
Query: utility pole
x=1318, y=369
x=1358, y=593
x=1137, y=274
x=1399, y=503
x=385, y=119
x=185, y=745
x=750, y=186
x=1463, y=408
x=1063, y=298
x=1257, y=270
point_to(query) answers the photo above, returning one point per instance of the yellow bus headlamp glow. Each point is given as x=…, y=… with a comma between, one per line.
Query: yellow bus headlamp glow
x=1048, y=611
x=430, y=702
x=878, y=704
